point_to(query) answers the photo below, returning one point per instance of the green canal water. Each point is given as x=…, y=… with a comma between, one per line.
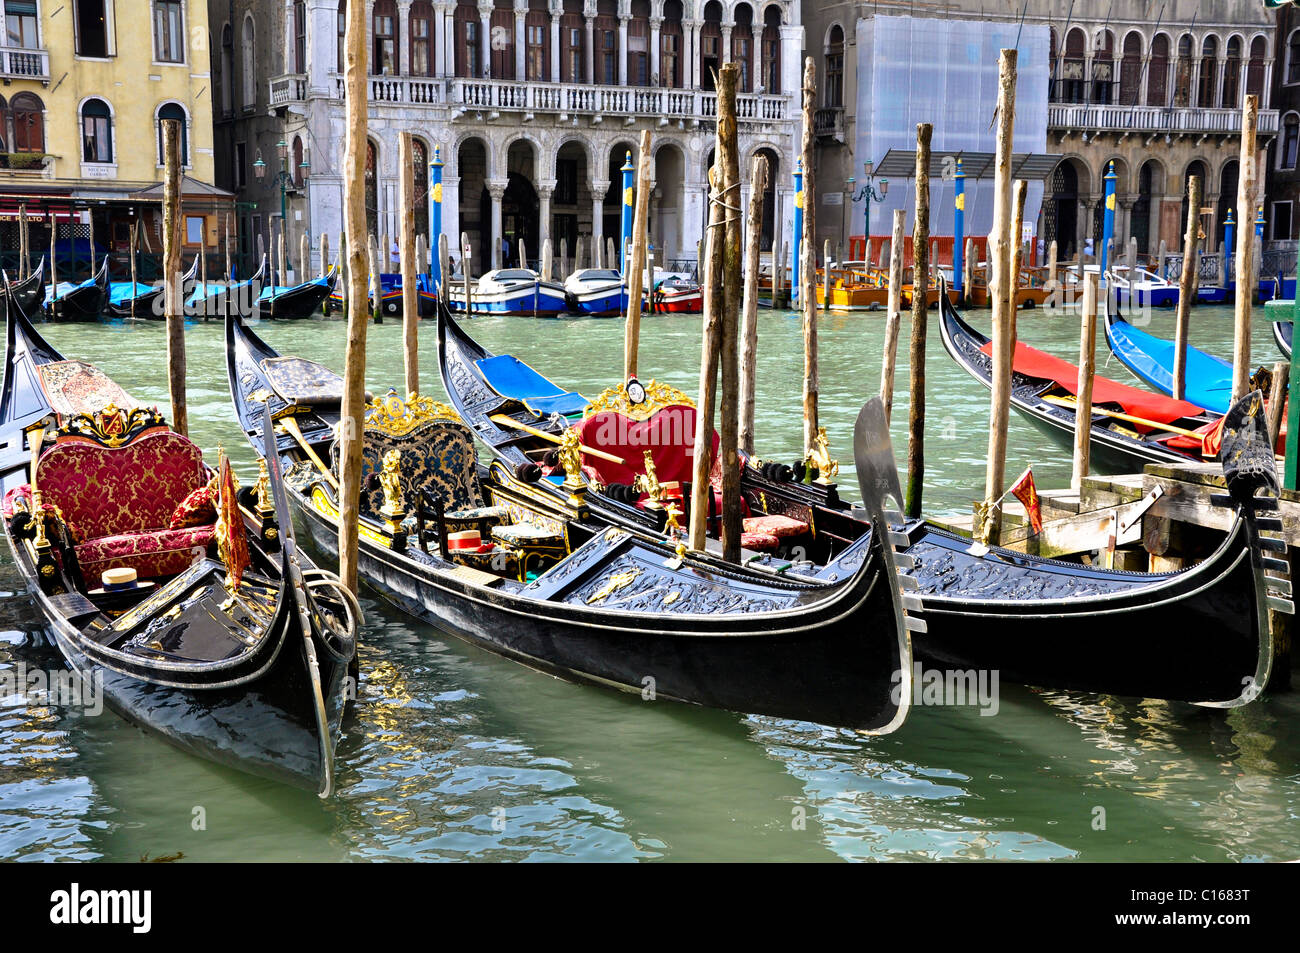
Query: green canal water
x=454, y=754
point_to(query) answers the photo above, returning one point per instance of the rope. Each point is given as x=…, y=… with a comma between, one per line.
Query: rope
x=715, y=198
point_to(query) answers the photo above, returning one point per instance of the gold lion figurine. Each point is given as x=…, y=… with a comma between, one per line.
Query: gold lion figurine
x=571, y=459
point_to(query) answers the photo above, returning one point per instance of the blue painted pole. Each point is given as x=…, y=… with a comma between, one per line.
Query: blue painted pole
x=1107, y=218
x=628, y=170
x=798, y=230
x=959, y=230
x=435, y=231
x=1229, y=237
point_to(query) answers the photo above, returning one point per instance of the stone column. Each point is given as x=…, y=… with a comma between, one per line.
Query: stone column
x=497, y=190
x=545, y=189
x=556, y=11
x=591, y=45
x=451, y=212
x=655, y=24
x=484, y=37
x=724, y=55
x=444, y=57
x=1266, y=94
x=521, y=41
x=321, y=46
x=598, y=189
x=1220, y=70
x=401, y=64
x=622, y=50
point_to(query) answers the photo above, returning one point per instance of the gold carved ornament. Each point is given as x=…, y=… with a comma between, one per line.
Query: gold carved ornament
x=648, y=483
x=615, y=583
x=657, y=397
x=113, y=426
x=819, y=457
x=390, y=480
x=395, y=417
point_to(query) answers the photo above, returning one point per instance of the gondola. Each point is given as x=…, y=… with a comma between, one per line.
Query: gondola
x=1151, y=359
x=250, y=672
x=81, y=302
x=215, y=298
x=296, y=302
x=128, y=299
x=1040, y=621
x=1130, y=427
x=484, y=554
x=1282, y=332
x=391, y=296
x=30, y=292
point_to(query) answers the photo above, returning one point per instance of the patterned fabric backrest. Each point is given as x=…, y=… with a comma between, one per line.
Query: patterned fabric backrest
x=438, y=456
x=127, y=489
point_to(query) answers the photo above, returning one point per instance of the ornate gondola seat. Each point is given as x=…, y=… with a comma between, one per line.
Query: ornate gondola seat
x=437, y=457
x=118, y=477
x=663, y=423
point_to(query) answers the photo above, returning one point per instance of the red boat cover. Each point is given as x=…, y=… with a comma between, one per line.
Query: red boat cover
x=1139, y=403
x=669, y=435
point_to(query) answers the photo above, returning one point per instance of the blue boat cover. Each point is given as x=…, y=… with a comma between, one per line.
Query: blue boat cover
x=120, y=292
x=1209, y=379
x=515, y=380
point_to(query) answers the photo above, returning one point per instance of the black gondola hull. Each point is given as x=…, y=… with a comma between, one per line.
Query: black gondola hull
x=296, y=303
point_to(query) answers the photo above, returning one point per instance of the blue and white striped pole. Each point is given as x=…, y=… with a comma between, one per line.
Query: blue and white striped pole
x=435, y=221
x=628, y=170
x=959, y=230
x=1107, y=219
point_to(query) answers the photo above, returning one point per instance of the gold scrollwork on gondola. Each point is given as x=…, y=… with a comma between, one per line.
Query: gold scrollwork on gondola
x=615, y=583
x=657, y=397
x=395, y=417
x=112, y=426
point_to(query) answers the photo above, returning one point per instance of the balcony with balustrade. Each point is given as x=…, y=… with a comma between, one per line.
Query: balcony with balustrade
x=23, y=63
x=1153, y=120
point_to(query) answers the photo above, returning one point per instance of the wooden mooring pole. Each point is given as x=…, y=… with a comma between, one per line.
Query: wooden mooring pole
x=1245, y=251
x=808, y=267
x=1000, y=287
x=749, y=308
x=920, y=282
x=1186, y=287
x=701, y=492
x=1083, y=393
x=410, y=294
x=635, y=272
x=729, y=158
x=893, y=313
x=354, y=223
x=171, y=240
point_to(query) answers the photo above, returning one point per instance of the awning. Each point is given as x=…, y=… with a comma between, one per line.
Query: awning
x=1030, y=166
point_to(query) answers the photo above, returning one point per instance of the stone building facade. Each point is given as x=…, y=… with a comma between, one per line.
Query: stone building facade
x=532, y=104
x=1156, y=88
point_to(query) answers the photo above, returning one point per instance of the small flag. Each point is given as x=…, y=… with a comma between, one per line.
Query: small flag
x=1211, y=439
x=232, y=540
x=1027, y=494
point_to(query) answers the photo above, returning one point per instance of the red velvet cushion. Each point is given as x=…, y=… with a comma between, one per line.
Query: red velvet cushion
x=197, y=509
x=775, y=525
x=162, y=553
x=108, y=492
x=669, y=435
x=760, y=542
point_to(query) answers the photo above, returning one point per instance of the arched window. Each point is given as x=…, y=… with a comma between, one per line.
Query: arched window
x=420, y=161
x=168, y=31
x=1293, y=58
x=1209, y=79
x=28, y=115
x=771, y=50
x=1255, y=68
x=1286, y=153
x=177, y=112
x=1232, y=75
x=606, y=31
x=1072, y=84
x=710, y=44
x=1183, y=74
x=1158, y=72
x=299, y=36
x=742, y=46
x=248, y=81
x=670, y=45
x=422, y=39
x=96, y=131
x=835, y=68
x=384, y=30
x=1130, y=70
x=1103, y=69
x=372, y=189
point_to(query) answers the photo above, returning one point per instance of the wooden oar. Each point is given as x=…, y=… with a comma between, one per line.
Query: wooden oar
x=1141, y=421
x=505, y=421
x=291, y=427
